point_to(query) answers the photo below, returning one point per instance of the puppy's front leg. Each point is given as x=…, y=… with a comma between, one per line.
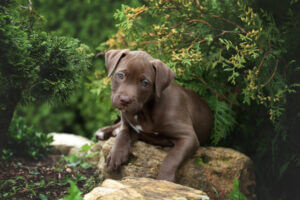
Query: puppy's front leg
x=120, y=151
x=108, y=131
x=184, y=147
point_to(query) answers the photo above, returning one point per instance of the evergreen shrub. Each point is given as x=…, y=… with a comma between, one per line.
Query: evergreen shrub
x=35, y=66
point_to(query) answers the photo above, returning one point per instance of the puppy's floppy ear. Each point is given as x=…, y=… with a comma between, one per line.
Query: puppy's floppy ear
x=163, y=76
x=112, y=59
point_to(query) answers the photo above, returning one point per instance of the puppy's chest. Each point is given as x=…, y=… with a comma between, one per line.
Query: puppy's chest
x=141, y=124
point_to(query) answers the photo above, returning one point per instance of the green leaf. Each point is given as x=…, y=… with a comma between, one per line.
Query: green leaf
x=85, y=148
x=74, y=192
x=42, y=183
x=85, y=165
x=235, y=194
x=43, y=197
x=224, y=119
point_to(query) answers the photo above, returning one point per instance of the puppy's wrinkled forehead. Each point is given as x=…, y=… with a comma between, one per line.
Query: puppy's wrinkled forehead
x=137, y=63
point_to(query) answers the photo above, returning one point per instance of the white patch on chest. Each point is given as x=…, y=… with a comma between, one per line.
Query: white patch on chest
x=137, y=128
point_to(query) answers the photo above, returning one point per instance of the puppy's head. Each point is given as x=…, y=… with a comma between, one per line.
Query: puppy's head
x=136, y=78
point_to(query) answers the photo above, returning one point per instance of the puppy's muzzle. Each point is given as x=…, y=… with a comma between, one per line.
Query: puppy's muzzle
x=125, y=100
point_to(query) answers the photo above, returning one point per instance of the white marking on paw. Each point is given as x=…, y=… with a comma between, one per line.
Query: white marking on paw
x=155, y=133
x=135, y=118
x=100, y=134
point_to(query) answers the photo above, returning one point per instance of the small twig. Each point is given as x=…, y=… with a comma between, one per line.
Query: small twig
x=30, y=5
x=219, y=35
x=175, y=26
x=230, y=22
x=202, y=21
x=149, y=42
x=192, y=44
x=263, y=59
x=273, y=74
x=176, y=5
x=270, y=51
x=136, y=14
x=172, y=7
x=197, y=3
x=100, y=54
x=124, y=41
x=270, y=45
x=224, y=32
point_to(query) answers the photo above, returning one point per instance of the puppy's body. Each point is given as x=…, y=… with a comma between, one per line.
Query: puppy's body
x=177, y=110
x=154, y=109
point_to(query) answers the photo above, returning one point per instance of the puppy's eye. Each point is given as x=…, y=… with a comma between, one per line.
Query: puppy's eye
x=145, y=83
x=120, y=75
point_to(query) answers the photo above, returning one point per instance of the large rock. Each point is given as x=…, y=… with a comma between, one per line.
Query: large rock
x=68, y=144
x=143, y=189
x=211, y=169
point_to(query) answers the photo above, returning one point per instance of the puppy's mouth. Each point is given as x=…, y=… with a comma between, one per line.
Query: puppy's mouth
x=128, y=109
x=132, y=108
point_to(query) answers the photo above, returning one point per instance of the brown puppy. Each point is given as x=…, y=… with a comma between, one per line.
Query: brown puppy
x=154, y=109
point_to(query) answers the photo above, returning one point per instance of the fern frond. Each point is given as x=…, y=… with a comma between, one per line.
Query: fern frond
x=224, y=119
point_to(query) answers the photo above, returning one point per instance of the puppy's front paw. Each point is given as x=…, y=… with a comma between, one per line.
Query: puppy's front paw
x=167, y=176
x=104, y=133
x=116, y=158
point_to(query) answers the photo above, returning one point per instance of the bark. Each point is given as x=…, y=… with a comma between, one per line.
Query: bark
x=6, y=116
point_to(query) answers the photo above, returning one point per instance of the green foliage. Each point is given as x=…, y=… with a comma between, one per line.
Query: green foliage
x=24, y=141
x=86, y=111
x=74, y=192
x=82, y=158
x=200, y=161
x=224, y=49
x=35, y=66
x=224, y=119
x=83, y=114
x=33, y=181
x=43, y=197
x=90, y=21
x=61, y=63
x=236, y=194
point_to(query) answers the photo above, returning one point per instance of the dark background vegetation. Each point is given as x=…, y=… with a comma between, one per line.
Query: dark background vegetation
x=275, y=153
x=91, y=22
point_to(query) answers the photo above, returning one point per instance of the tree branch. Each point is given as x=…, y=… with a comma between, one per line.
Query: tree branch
x=30, y=5
x=219, y=35
x=273, y=74
x=202, y=21
x=263, y=59
x=230, y=22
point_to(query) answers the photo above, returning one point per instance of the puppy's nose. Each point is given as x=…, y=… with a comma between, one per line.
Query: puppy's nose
x=125, y=100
